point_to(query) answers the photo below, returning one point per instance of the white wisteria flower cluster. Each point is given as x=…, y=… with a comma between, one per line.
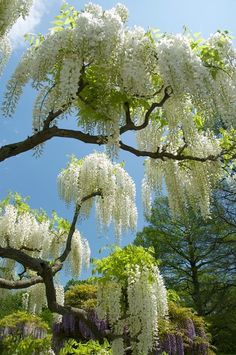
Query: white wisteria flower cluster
x=191, y=77
x=93, y=65
x=98, y=50
x=23, y=230
x=10, y=11
x=146, y=304
x=34, y=300
x=97, y=174
x=5, y=51
x=188, y=182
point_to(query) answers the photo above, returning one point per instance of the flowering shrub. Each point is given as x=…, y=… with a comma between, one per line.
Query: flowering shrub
x=131, y=294
x=25, y=334
x=184, y=333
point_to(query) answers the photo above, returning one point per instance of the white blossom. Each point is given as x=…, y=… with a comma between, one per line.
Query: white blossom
x=10, y=11
x=24, y=231
x=5, y=51
x=35, y=300
x=147, y=304
x=96, y=173
x=100, y=39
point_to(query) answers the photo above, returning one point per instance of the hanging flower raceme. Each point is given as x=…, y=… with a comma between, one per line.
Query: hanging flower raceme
x=5, y=51
x=203, y=73
x=188, y=182
x=10, y=11
x=97, y=174
x=34, y=299
x=132, y=296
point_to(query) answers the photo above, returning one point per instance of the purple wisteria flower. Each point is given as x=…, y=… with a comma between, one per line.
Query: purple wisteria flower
x=189, y=328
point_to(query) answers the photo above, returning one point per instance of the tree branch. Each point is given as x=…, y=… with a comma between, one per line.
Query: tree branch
x=130, y=126
x=22, y=258
x=38, y=138
x=20, y=284
x=31, y=142
x=67, y=250
x=28, y=262
x=167, y=155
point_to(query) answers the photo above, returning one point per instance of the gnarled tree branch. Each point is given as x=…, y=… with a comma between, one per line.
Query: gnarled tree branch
x=48, y=133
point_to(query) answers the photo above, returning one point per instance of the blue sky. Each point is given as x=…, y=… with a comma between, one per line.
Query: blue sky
x=36, y=177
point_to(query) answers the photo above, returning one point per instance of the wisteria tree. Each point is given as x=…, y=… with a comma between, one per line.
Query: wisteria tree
x=176, y=93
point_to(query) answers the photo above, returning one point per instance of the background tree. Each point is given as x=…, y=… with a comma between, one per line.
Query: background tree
x=197, y=258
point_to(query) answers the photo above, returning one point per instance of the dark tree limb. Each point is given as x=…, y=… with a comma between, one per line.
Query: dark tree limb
x=127, y=114
x=22, y=258
x=48, y=132
x=163, y=154
x=20, y=284
x=31, y=142
x=67, y=250
x=130, y=126
x=36, y=139
x=28, y=262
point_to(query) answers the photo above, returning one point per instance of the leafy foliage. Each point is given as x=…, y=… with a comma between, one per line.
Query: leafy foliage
x=26, y=346
x=119, y=264
x=82, y=296
x=90, y=348
x=24, y=334
x=20, y=318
